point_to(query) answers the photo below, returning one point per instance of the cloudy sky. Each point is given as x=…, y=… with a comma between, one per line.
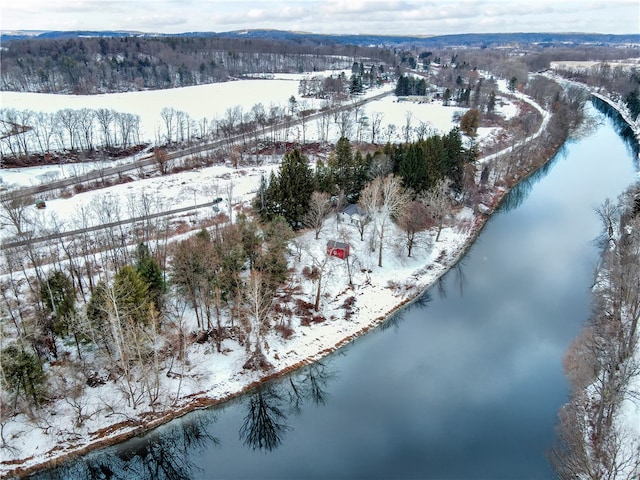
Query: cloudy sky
x=406, y=17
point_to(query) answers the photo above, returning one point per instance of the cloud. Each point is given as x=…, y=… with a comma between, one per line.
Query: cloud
x=154, y=22
x=400, y=17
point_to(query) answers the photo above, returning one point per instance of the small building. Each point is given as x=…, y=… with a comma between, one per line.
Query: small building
x=40, y=204
x=337, y=249
x=353, y=214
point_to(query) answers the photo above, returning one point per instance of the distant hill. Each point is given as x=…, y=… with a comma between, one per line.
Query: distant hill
x=466, y=39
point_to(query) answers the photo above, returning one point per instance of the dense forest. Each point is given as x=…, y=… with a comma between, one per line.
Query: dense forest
x=97, y=65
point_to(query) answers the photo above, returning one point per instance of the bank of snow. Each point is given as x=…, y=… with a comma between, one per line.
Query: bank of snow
x=208, y=377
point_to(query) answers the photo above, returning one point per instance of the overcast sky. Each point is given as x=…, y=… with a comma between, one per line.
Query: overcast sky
x=405, y=17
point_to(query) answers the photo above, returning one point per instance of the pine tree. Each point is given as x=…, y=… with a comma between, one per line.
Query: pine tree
x=132, y=295
x=413, y=169
x=295, y=182
x=491, y=103
x=149, y=270
x=59, y=298
x=272, y=260
x=22, y=374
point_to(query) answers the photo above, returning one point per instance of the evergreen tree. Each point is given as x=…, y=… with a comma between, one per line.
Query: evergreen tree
x=633, y=102
x=59, y=298
x=413, y=169
x=251, y=241
x=149, y=270
x=323, y=178
x=22, y=374
x=95, y=311
x=402, y=86
x=356, y=84
x=436, y=160
x=341, y=165
x=455, y=157
x=272, y=260
x=359, y=178
x=267, y=201
x=294, y=187
x=132, y=295
x=491, y=103
x=470, y=122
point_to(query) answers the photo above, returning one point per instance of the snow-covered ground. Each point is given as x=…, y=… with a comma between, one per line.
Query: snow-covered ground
x=201, y=101
x=212, y=376
x=189, y=188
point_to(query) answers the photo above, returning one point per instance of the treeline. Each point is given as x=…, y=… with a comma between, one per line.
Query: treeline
x=84, y=131
x=420, y=166
x=594, y=438
x=98, y=65
x=81, y=131
x=622, y=82
x=408, y=85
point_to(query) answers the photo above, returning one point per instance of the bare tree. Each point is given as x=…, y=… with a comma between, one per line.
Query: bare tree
x=168, y=117
x=14, y=211
x=302, y=115
x=68, y=120
x=384, y=199
x=86, y=117
x=414, y=219
x=345, y=123
x=105, y=118
x=129, y=128
x=424, y=130
x=609, y=214
x=407, y=128
x=258, y=302
x=44, y=130
x=376, y=121
x=319, y=209
x=161, y=158
x=436, y=200
x=390, y=130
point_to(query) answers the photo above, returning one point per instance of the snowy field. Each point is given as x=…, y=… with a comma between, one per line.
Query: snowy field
x=189, y=188
x=212, y=101
x=211, y=376
x=201, y=101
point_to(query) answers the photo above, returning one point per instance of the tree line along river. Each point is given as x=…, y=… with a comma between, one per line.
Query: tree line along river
x=464, y=384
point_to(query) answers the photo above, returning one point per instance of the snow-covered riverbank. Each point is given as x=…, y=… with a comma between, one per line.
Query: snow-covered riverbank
x=207, y=377
x=378, y=292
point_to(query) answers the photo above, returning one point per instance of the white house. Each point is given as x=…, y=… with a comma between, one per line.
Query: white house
x=353, y=214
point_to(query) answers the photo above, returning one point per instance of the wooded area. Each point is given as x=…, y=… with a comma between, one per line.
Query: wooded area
x=99, y=65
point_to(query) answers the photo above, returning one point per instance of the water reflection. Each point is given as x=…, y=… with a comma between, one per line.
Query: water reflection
x=394, y=320
x=518, y=194
x=265, y=422
x=621, y=127
x=161, y=454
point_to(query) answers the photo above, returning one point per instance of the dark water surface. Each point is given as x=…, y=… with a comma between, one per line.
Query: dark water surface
x=465, y=385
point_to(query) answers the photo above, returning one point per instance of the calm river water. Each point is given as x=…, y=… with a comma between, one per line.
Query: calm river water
x=464, y=385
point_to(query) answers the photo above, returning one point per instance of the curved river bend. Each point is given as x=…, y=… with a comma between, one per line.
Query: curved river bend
x=465, y=384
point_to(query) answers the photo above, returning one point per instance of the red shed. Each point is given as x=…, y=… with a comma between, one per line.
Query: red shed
x=337, y=249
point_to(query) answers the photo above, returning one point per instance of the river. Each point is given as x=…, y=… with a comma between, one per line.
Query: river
x=465, y=384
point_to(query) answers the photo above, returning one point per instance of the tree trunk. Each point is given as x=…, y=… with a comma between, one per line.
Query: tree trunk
x=380, y=246
x=317, y=304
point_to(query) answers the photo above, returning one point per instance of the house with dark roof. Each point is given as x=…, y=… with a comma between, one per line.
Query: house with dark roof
x=353, y=214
